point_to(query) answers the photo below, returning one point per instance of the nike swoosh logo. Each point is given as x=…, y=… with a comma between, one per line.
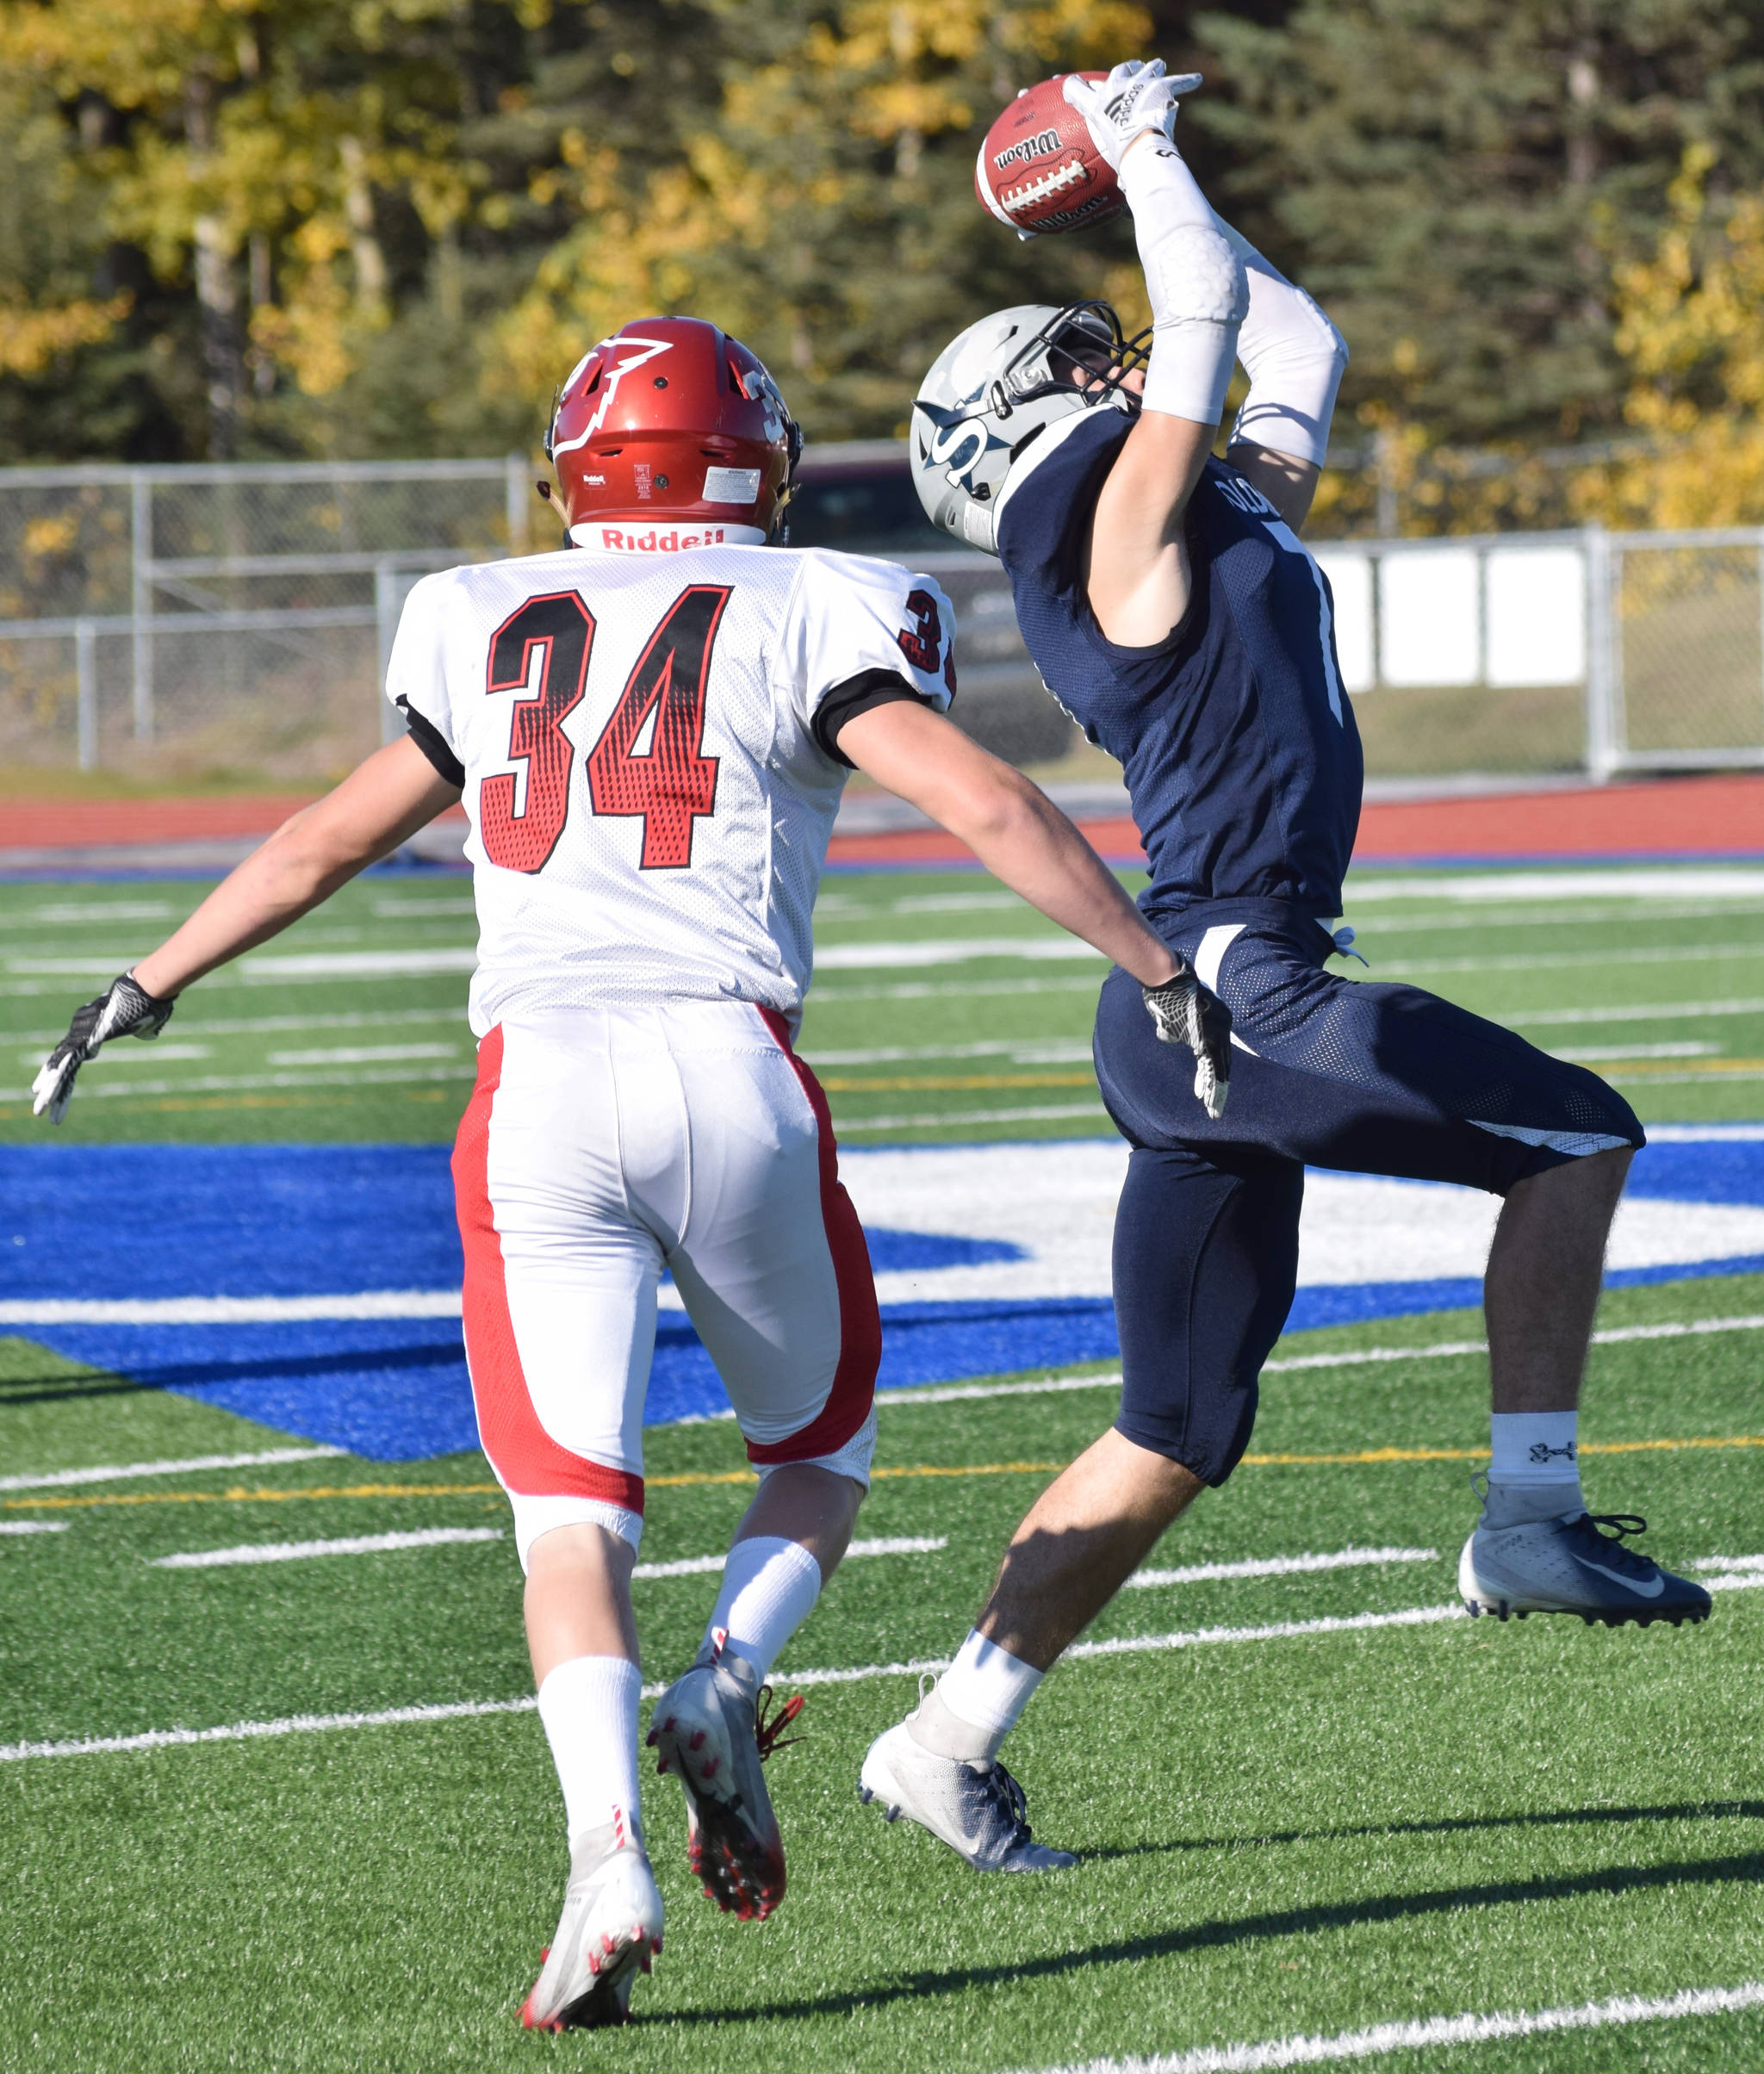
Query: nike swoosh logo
x=1629, y=1584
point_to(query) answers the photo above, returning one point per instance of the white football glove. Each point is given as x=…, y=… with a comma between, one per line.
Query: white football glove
x=1187, y=1013
x=1135, y=98
x=125, y=1009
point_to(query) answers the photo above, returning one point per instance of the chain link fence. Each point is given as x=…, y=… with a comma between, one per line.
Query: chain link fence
x=232, y=622
x=207, y=622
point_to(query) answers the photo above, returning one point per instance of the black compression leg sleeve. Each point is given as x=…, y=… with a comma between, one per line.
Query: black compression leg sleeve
x=1206, y=1262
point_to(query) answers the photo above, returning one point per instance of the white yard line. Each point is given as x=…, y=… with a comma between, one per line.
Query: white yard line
x=1028, y=1051
x=1592, y=1053
x=231, y=1310
x=1417, y=2035
x=375, y=1054
x=297, y=1551
x=848, y=1125
x=1731, y=1562
x=1550, y=961
x=254, y=1026
x=33, y=1526
x=114, y=1472
x=966, y=1393
x=947, y=990
x=298, y=1724
x=1352, y=1357
x=1738, y=1580
x=697, y=1566
x=1661, y=1011
x=1623, y=881
x=1702, y=1134
x=239, y=1084
x=439, y=961
x=947, y=950
x=1282, y=1565
x=252, y=1731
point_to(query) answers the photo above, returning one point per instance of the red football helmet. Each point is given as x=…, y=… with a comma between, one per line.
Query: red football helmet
x=670, y=422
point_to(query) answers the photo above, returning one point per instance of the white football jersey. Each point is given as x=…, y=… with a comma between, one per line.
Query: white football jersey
x=649, y=808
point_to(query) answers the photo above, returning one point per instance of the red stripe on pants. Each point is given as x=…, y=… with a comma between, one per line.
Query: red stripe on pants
x=525, y=1456
x=853, y=1389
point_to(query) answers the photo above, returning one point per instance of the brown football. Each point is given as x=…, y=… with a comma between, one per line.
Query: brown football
x=1037, y=169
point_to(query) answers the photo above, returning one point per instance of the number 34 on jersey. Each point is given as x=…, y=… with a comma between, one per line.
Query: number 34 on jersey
x=634, y=739
x=648, y=759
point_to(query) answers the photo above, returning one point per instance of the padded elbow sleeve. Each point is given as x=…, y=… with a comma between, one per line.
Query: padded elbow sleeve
x=1199, y=298
x=1195, y=281
x=1295, y=358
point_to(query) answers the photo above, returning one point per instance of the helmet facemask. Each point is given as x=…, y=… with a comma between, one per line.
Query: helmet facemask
x=997, y=387
x=1081, y=346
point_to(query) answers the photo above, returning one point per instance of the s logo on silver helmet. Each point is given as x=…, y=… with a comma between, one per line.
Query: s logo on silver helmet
x=956, y=447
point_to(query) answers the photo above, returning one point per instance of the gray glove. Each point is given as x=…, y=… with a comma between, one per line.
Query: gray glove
x=1187, y=1013
x=125, y=1010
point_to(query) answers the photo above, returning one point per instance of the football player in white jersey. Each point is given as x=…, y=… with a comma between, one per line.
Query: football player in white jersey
x=650, y=730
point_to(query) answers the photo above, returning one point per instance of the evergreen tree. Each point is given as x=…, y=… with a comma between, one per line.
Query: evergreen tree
x=826, y=212
x=1454, y=179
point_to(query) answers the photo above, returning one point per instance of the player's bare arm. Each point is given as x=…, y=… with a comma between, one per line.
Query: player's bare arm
x=379, y=805
x=1024, y=840
x=1011, y=825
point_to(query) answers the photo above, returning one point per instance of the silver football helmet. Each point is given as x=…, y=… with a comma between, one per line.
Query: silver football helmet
x=994, y=388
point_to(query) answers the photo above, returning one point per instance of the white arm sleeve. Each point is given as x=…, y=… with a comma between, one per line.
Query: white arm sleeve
x=1295, y=358
x=1195, y=280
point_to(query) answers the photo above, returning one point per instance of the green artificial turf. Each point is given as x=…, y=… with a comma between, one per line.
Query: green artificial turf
x=1662, y=990
x=1301, y=1834
x=1306, y=1834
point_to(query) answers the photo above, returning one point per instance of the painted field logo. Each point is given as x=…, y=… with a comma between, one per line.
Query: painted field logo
x=1030, y=148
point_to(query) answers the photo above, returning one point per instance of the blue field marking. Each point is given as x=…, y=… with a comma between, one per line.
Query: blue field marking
x=135, y=1222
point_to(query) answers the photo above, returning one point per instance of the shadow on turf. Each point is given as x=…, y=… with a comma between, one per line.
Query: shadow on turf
x=51, y=1389
x=183, y=1376
x=1281, y=1923
x=1689, y=1810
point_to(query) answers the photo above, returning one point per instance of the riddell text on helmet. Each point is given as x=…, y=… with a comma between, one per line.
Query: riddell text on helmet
x=615, y=538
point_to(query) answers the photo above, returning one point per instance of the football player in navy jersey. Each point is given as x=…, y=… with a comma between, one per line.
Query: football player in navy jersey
x=1170, y=608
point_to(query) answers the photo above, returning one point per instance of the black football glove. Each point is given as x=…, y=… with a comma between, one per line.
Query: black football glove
x=1187, y=1013
x=124, y=1010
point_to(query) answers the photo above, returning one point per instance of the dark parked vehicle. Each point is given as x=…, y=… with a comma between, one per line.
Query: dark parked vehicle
x=859, y=497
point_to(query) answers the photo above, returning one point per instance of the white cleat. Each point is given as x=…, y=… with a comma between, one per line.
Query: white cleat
x=1567, y=1566
x=980, y=1812
x=610, y=1928
x=711, y=1730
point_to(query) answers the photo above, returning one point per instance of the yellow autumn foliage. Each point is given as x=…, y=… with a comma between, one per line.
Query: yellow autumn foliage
x=1691, y=326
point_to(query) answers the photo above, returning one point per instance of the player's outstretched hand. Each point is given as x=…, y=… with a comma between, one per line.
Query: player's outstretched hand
x=1187, y=1013
x=1135, y=98
x=124, y=1010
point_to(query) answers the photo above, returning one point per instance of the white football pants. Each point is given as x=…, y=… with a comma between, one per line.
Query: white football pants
x=602, y=1145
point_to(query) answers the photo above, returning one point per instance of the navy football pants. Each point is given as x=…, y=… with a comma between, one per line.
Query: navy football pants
x=1368, y=1078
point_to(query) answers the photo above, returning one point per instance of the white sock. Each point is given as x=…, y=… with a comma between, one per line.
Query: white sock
x=1534, y=1467
x=589, y=1708
x=984, y=1691
x=769, y=1589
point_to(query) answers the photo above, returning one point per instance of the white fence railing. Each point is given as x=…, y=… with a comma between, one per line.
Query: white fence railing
x=1662, y=634
x=177, y=621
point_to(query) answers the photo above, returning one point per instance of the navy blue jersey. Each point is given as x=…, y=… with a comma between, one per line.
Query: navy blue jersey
x=1242, y=759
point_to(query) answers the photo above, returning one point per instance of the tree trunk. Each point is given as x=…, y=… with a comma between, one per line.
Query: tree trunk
x=217, y=292
x=364, y=242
